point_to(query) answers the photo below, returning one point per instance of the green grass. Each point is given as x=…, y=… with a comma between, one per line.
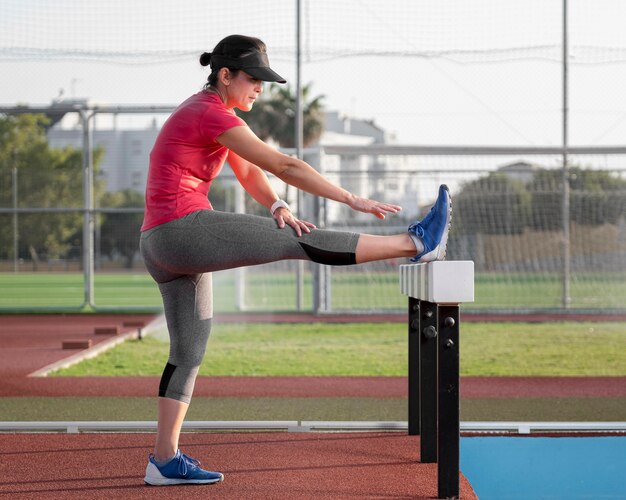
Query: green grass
x=350, y=409
x=263, y=408
x=66, y=290
x=364, y=349
x=276, y=291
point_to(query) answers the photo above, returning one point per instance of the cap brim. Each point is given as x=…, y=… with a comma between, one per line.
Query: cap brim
x=265, y=74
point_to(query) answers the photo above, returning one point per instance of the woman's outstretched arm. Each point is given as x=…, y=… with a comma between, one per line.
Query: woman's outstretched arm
x=297, y=173
x=254, y=180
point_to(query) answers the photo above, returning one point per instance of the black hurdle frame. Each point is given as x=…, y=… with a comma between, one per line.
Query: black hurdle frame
x=433, y=378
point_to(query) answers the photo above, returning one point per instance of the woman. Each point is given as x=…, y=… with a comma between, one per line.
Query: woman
x=183, y=240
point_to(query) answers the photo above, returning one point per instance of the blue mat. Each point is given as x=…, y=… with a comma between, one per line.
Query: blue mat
x=528, y=468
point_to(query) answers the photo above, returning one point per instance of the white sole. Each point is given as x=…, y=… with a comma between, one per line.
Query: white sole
x=154, y=478
x=439, y=252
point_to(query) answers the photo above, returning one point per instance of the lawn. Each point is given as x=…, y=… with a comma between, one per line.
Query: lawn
x=365, y=349
x=268, y=290
x=350, y=409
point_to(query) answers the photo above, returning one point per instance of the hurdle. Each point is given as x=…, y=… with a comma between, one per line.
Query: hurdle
x=435, y=292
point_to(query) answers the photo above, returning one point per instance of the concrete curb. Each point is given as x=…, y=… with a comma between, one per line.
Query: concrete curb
x=99, y=348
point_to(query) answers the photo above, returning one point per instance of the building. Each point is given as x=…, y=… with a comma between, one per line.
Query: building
x=521, y=171
x=378, y=177
x=126, y=151
x=126, y=158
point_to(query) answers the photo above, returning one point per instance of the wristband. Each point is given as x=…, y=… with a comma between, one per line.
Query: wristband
x=279, y=204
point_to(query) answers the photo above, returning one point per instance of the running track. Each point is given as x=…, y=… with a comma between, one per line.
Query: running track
x=256, y=465
x=29, y=343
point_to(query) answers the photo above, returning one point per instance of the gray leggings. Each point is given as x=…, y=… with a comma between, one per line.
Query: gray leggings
x=180, y=255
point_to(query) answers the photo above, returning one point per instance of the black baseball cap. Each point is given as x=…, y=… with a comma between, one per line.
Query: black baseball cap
x=253, y=62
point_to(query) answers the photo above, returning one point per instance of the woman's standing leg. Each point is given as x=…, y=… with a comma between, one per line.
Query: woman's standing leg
x=170, y=422
x=188, y=304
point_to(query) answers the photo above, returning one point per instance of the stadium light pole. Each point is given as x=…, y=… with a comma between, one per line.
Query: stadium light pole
x=299, y=114
x=565, y=209
x=88, y=206
x=299, y=143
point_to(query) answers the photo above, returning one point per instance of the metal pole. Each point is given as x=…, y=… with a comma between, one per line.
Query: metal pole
x=16, y=233
x=321, y=275
x=299, y=115
x=299, y=147
x=565, y=176
x=240, y=272
x=88, y=213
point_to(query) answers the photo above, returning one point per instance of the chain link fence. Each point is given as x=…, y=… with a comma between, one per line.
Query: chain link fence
x=457, y=73
x=507, y=218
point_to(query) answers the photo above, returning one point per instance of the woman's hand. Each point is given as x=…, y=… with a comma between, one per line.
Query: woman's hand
x=374, y=207
x=284, y=217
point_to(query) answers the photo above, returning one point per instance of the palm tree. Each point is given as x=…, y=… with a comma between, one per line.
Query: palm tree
x=273, y=116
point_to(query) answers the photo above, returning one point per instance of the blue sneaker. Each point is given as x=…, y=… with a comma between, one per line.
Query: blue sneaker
x=180, y=470
x=433, y=229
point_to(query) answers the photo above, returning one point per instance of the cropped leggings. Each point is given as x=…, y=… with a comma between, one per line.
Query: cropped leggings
x=180, y=255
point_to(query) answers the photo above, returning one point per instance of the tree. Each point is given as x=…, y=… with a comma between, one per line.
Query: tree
x=596, y=197
x=274, y=113
x=494, y=204
x=119, y=232
x=273, y=116
x=47, y=178
x=497, y=204
x=222, y=196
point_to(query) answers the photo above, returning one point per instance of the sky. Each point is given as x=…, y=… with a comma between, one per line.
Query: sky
x=454, y=72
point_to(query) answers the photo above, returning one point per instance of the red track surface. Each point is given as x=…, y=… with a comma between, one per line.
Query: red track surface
x=31, y=342
x=314, y=387
x=256, y=465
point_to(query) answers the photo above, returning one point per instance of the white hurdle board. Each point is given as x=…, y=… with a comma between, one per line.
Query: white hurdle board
x=441, y=282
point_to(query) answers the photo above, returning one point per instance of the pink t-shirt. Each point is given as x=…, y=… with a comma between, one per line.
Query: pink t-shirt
x=186, y=158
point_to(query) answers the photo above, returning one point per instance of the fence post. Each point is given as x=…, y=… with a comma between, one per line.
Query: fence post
x=16, y=232
x=435, y=291
x=88, y=205
x=240, y=272
x=315, y=211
